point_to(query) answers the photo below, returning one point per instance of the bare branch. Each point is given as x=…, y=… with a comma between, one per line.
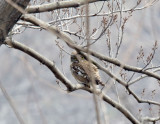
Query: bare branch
x=70, y=43
x=37, y=23
x=121, y=109
x=12, y=104
x=150, y=119
x=108, y=13
x=65, y=81
x=44, y=61
x=142, y=100
x=58, y=5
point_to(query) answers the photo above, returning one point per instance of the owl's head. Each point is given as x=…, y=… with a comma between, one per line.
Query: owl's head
x=76, y=57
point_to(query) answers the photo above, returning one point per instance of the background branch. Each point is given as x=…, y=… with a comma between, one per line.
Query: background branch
x=58, y=5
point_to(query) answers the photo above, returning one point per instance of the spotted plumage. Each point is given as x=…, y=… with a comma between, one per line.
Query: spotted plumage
x=83, y=70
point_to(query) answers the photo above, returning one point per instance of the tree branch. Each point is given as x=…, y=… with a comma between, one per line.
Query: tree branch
x=58, y=5
x=150, y=119
x=65, y=81
x=121, y=109
x=44, y=61
x=12, y=104
x=70, y=43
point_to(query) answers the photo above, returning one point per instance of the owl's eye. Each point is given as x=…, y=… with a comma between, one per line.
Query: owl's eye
x=83, y=57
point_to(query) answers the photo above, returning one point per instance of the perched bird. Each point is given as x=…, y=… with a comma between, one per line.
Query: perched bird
x=83, y=71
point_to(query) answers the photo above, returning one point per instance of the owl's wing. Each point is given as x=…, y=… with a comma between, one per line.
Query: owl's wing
x=90, y=69
x=79, y=73
x=92, y=72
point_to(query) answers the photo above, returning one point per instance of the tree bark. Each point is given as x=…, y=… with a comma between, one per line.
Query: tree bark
x=9, y=16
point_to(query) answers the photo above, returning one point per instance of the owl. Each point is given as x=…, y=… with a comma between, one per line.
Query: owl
x=83, y=70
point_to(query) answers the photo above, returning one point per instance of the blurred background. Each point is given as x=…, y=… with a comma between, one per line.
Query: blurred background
x=34, y=89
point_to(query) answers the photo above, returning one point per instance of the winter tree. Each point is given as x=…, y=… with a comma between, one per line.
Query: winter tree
x=117, y=39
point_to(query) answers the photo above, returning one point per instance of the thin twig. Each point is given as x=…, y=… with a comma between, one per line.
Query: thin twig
x=12, y=104
x=92, y=78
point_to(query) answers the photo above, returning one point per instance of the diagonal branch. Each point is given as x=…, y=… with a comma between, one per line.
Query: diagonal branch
x=59, y=75
x=142, y=100
x=44, y=61
x=121, y=109
x=150, y=119
x=12, y=104
x=66, y=82
x=58, y=5
x=70, y=43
